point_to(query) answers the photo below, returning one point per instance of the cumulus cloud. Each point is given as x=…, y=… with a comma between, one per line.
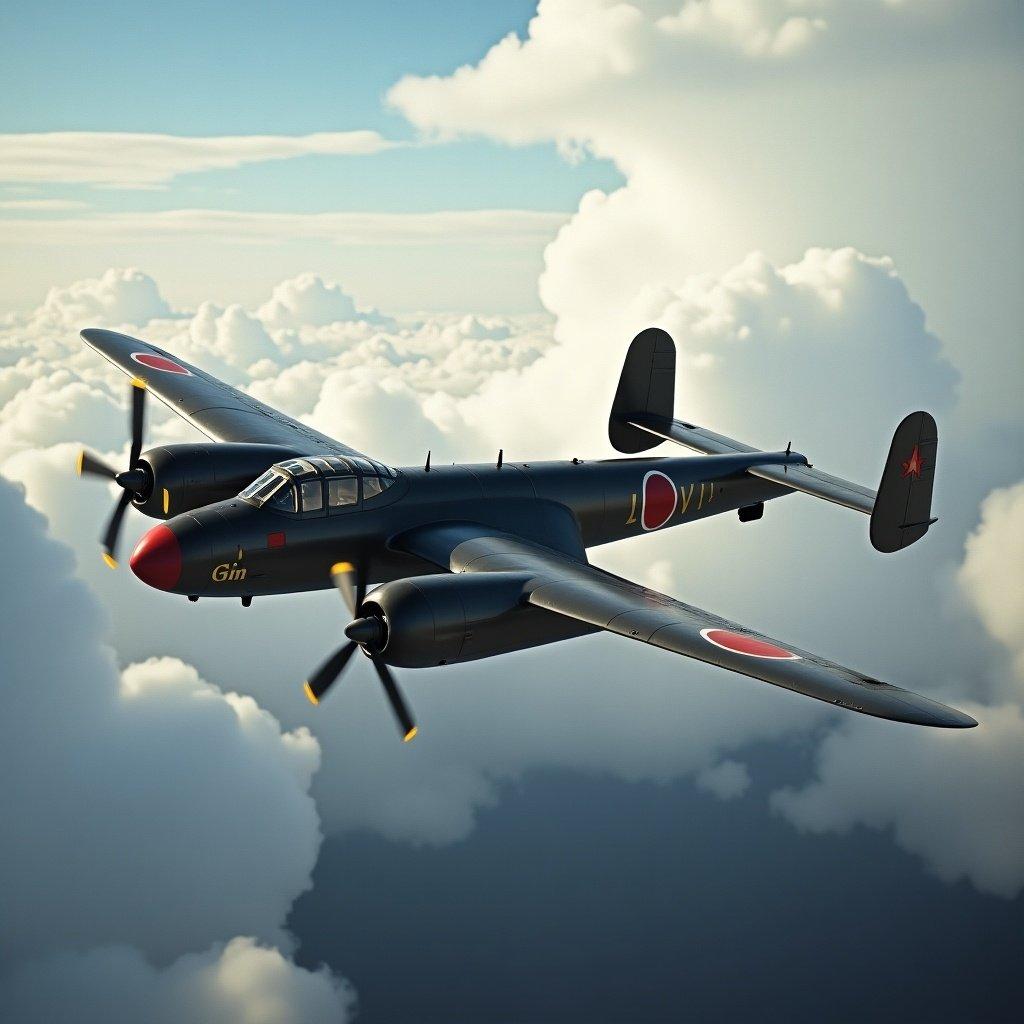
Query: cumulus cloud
x=118, y=297
x=307, y=300
x=241, y=981
x=146, y=814
x=147, y=160
x=117, y=821
x=990, y=575
x=745, y=125
x=950, y=800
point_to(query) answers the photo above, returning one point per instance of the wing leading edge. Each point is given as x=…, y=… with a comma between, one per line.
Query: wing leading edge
x=220, y=411
x=566, y=585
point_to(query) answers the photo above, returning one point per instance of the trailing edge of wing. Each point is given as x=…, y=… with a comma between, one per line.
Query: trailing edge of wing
x=569, y=586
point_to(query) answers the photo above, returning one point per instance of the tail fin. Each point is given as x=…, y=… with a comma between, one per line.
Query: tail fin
x=903, y=505
x=900, y=510
x=647, y=387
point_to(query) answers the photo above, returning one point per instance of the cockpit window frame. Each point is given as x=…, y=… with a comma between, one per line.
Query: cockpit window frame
x=296, y=471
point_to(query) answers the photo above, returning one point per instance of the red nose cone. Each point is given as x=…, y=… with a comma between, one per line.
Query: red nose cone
x=156, y=559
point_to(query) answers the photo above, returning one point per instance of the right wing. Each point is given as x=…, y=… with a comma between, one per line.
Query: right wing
x=220, y=411
x=562, y=583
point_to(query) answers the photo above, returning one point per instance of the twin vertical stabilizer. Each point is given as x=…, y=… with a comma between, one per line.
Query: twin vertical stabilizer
x=900, y=510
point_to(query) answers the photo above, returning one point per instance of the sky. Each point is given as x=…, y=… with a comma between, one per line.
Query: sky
x=429, y=226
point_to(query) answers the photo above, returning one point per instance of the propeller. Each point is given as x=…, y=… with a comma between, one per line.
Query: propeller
x=367, y=632
x=135, y=481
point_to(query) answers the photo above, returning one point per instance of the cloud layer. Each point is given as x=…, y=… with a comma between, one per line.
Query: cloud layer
x=138, y=160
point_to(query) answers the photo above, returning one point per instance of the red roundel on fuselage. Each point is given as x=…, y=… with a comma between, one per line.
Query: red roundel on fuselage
x=660, y=499
x=749, y=645
x=155, y=362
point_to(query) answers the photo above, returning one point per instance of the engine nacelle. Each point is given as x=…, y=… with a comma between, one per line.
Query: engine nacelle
x=187, y=476
x=443, y=619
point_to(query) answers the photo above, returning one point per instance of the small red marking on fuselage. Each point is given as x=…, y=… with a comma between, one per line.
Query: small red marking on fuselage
x=155, y=362
x=738, y=643
x=660, y=498
x=275, y=540
x=913, y=465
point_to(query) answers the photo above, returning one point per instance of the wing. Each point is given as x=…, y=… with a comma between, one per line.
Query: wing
x=569, y=586
x=220, y=411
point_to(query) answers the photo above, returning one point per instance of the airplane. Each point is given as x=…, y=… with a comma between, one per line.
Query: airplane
x=474, y=561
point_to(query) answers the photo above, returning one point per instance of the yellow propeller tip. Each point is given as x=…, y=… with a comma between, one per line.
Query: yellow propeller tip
x=138, y=382
x=110, y=561
x=310, y=695
x=80, y=461
x=410, y=735
x=341, y=567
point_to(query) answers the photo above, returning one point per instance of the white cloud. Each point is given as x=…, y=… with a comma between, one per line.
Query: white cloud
x=118, y=297
x=760, y=124
x=134, y=160
x=42, y=205
x=727, y=780
x=493, y=228
x=307, y=300
x=237, y=982
x=953, y=803
x=949, y=798
x=991, y=572
x=127, y=798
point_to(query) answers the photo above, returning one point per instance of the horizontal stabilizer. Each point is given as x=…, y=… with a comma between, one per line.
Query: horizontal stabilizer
x=794, y=472
x=903, y=508
x=642, y=414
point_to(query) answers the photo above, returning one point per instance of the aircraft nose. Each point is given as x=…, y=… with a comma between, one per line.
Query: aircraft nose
x=156, y=559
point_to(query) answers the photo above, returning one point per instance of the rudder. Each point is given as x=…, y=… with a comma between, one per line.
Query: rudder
x=902, y=512
x=647, y=385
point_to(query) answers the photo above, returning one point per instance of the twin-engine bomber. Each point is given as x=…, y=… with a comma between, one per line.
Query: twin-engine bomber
x=474, y=561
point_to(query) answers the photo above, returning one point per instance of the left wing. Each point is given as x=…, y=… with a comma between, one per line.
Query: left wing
x=569, y=586
x=220, y=411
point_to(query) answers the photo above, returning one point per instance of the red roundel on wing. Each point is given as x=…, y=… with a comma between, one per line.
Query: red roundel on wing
x=159, y=363
x=748, y=645
x=659, y=500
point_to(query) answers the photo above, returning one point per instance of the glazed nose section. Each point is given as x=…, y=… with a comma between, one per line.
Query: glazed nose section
x=156, y=559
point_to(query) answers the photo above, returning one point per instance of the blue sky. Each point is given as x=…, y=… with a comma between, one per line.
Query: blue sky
x=271, y=68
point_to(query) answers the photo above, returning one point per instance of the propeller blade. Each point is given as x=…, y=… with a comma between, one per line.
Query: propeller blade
x=138, y=418
x=113, y=530
x=350, y=583
x=324, y=677
x=89, y=465
x=398, y=705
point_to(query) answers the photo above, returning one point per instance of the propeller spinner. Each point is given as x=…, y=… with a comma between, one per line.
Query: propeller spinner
x=135, y=481
x=368, y=632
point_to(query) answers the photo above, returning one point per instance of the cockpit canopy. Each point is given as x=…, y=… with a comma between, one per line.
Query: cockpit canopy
x=315, y=483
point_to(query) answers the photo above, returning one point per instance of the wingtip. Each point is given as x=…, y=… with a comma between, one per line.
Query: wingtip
x=956, y=719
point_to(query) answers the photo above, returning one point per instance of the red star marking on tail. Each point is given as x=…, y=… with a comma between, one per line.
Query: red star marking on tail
x=913, y=465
